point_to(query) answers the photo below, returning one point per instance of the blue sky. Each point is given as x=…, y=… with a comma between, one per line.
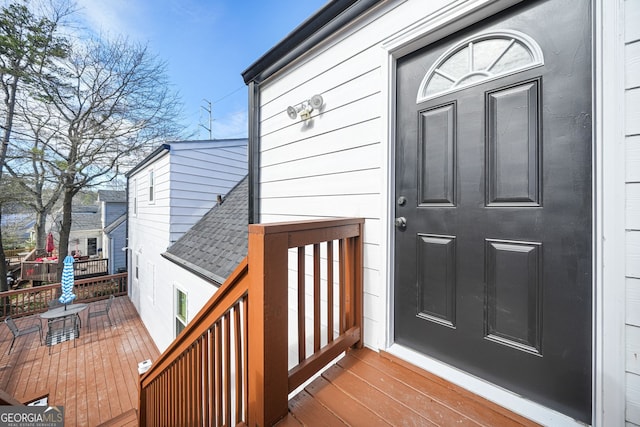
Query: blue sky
x=206, y=44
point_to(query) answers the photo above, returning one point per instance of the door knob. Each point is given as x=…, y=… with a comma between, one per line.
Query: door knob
x=401, y=223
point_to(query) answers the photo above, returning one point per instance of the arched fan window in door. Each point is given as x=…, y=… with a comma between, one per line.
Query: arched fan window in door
x=480, y=58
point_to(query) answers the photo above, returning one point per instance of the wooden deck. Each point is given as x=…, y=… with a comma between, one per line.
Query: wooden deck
x=369, y=389
x=95, y=381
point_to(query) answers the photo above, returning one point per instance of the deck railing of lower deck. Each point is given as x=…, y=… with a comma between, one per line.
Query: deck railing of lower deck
x=230, y=365
x=27, y=301
x=48, y=271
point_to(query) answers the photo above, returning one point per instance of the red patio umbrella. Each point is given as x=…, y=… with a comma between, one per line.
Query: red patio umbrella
x=50, y=245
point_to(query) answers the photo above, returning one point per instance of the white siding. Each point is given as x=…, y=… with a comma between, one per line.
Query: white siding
x=200, y=171
x=632, y=214
x=148, y=237
x=188, y=180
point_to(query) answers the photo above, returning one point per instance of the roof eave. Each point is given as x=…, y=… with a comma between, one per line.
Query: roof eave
x=208, y=276
x=158, y=152
x=330, y=18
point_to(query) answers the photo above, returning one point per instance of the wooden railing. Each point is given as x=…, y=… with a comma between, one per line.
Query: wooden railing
x=230, y=365
x=11, y=253
x=27, y=301
x=48, y=271
x=90, y=268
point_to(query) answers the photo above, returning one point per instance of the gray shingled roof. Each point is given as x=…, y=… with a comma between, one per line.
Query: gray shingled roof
x=86, y=218
x=216, y=244
x=112, y=196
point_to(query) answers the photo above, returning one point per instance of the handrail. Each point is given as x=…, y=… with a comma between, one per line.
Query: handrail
x=177, y=373
x=27, y=301
x=230, y=364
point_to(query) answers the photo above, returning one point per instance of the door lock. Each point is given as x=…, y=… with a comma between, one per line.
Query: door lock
x=401, y=223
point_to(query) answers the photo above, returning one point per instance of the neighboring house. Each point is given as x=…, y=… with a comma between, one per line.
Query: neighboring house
x=493, y=148
x=85, y=237
x=168, y=193
x=201, y=260
x=113, y=211
x=98, y=231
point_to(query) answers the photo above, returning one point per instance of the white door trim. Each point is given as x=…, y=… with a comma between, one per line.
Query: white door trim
x=608, y=206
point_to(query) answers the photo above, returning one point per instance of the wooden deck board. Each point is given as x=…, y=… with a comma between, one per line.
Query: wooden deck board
x=95, y=381
x=369, y=388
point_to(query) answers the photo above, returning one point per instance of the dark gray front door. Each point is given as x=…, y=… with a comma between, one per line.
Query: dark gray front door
x=493, y=241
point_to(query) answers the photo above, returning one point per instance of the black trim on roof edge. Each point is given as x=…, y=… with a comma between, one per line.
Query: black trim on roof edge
x=208, y=276
x=254, y=153
x=329, y=19
x=158, y=151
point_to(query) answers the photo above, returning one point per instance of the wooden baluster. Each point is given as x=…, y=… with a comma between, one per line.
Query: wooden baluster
x=238, y=362
x=198, y=381
x=227, y=368
x=218, y=372
x=329, y=291
x=341, y=287
x=316, y=297
x=302, y=348
x=245, y=361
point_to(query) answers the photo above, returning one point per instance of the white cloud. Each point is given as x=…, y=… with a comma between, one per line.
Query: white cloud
x=113, y=17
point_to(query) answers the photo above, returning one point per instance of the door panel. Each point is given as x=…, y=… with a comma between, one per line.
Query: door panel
x=493, y=269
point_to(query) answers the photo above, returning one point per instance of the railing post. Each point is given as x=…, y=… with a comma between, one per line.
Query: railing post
x=268, y=328
x=354, y=283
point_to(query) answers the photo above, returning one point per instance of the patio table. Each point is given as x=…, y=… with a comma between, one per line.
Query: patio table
x=65, y=330
x=62, y=312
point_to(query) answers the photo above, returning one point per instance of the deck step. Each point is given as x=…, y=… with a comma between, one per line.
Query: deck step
x=370, y=388
x=126, y=419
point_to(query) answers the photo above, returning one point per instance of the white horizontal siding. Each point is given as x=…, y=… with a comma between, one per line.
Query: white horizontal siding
x=631, y=19
x=633, y=398
x=364, y=158
x=633, y=158
x=301, y=145
x=365, y=206
x=632, y=111
x=632, y=66
x=633, y=254
x=633, y=301
x=633, y=349
x=201, y=171
x=633, y=206
x=632, y=212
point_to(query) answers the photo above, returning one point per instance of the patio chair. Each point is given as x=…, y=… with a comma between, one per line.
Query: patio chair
x=62, y=329
x=101, y=312
x=17, y=332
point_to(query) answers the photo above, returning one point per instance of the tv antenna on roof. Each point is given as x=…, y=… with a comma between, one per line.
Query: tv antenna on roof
x=209, y=110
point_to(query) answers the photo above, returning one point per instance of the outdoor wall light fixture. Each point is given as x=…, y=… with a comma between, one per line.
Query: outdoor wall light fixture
x=305, y=108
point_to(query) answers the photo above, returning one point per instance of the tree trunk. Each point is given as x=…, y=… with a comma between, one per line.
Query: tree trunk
x=10, y=103
x=3, y=262
x=65, y=229
x=41, y=230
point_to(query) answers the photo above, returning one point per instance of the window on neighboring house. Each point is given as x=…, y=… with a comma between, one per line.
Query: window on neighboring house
x=181, y=311
x=135, y=197
x=151, y=187
x=92, y=246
